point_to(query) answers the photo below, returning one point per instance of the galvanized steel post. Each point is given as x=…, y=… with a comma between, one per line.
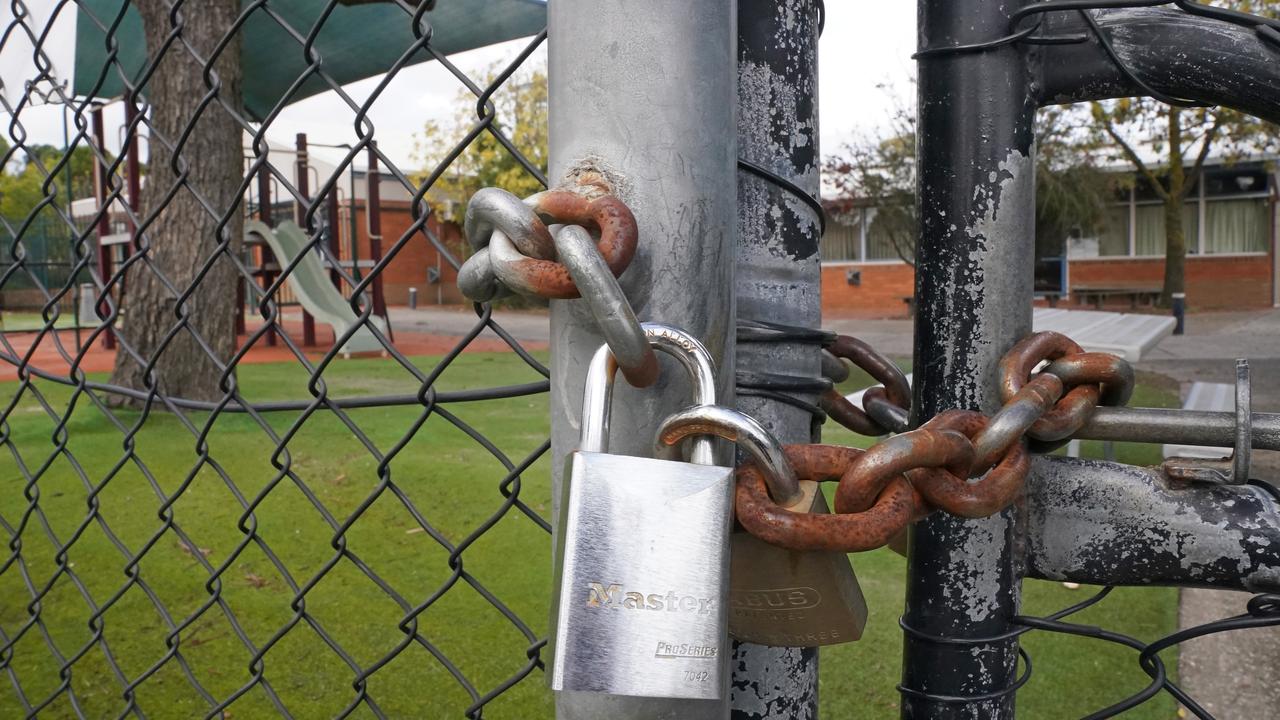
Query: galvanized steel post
x=778, y=279
x=642, y=97
x=974, y=292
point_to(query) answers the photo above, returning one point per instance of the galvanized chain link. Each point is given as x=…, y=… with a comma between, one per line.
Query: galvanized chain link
x=518, y=249
x=960, y=461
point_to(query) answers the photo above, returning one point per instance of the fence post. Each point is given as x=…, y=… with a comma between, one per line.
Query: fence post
x=300, y=217
x=644, y=93
x=373, y=211
x=778, y=279
x=973, y=297
x=105, y=263
x=264, y=250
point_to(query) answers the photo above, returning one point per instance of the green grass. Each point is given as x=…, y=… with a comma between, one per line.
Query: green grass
x=455, y=484
x=16, y=321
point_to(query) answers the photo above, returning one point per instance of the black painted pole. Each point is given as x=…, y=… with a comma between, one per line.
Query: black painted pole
x=974, y=268
x=778, y=280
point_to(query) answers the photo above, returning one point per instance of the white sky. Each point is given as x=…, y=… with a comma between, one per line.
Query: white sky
x=856, y=55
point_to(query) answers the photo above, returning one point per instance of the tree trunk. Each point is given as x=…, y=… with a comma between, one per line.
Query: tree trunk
x=191, y=336
x=1175, y=257
x=1175, y=242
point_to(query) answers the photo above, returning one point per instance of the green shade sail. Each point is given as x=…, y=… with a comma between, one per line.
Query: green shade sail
x=355, y=42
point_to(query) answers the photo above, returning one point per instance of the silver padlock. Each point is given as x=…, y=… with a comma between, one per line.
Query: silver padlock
x=642, y=560
x=778, y=596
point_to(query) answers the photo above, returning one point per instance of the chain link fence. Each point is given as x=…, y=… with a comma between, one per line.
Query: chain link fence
x=299, y=541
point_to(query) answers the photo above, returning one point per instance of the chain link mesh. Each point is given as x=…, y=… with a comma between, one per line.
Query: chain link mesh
x=281, y=548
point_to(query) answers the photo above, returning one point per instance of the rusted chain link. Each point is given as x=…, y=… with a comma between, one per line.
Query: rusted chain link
x=519, y=249
x=960, y=461
x=884, y=409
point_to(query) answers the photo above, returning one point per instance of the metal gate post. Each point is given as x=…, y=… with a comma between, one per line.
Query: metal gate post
x=643, y=95
x=778, y=279
x=974, y=292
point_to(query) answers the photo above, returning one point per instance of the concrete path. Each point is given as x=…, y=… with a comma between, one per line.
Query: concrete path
x=1233, y=675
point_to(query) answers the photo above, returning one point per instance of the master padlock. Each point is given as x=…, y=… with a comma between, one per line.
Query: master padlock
x=778, y=596
x=642, y=559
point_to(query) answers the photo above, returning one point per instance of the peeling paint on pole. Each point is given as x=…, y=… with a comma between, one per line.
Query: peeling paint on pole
x=973, y=292
x=778, y=278
x=1105, y=523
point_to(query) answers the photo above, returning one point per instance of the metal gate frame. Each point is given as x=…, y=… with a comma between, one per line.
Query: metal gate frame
x=665, y=138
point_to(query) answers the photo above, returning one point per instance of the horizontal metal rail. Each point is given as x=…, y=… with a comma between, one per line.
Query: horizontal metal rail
x=1104, y=523
x=1178, y=427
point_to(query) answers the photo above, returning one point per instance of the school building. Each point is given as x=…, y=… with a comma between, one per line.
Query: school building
x=1230, y=226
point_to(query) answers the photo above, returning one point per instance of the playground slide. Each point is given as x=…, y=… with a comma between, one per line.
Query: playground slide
x=311, y=284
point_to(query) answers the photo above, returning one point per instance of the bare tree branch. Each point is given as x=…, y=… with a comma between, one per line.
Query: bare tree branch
x=1135, y=159
x=1203, y=155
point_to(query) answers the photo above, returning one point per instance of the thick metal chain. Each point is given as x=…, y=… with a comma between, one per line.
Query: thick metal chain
x=907, y=476
x=884, y=407
x=516, y=251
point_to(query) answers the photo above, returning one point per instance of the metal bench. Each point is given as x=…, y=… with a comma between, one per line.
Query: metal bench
x=1147, y=294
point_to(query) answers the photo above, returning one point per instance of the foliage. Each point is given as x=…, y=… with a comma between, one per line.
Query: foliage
x=1131, y=130
x=28, y=179
x=880, y=169
x=1183, y=139
x=519, y=111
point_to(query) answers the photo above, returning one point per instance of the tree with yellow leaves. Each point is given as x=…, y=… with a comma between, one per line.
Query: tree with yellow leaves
x=517, y=110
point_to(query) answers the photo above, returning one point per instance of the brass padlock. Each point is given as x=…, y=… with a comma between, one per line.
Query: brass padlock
x=778, y=596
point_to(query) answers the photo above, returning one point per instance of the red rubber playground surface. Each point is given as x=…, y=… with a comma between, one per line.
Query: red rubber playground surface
x=47, y=357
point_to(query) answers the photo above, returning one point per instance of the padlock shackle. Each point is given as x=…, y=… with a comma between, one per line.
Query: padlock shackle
x=597, y=397
x=743, y=430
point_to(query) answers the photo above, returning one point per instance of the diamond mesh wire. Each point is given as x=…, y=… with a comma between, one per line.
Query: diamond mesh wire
x=298, y=544
x=216, y=556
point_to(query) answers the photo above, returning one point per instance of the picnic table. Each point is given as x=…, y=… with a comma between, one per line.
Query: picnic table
x=1129, y=335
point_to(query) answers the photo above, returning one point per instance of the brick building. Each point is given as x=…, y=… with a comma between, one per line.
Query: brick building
x=1230, y=224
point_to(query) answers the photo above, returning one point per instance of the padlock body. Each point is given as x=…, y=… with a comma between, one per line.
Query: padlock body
x=789, y=598
x=641, y=585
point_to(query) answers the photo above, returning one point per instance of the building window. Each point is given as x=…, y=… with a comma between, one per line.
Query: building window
x=880, y=236
x=1231, y=213
x=1150, y=230
x=842, y=241
x=866, y=234
x=1236, y=226
x=1113, y=240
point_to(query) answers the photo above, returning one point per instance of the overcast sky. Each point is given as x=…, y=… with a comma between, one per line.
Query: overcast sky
x=856, y=56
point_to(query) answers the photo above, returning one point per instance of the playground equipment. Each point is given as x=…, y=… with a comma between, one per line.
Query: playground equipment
x=315, y=291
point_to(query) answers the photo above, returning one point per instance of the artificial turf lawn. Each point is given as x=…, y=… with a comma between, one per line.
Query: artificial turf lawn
x=455, y=484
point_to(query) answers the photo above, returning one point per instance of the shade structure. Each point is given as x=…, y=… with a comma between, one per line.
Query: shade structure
x=352, y=42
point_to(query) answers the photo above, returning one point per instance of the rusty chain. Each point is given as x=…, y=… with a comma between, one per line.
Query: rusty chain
x=543, y=247
x=960, y=461
x=884, y=407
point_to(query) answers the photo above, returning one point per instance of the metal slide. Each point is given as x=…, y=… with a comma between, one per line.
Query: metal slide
x=311, y=284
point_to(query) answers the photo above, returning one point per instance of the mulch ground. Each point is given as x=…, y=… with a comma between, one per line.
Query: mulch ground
x=54, y=352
